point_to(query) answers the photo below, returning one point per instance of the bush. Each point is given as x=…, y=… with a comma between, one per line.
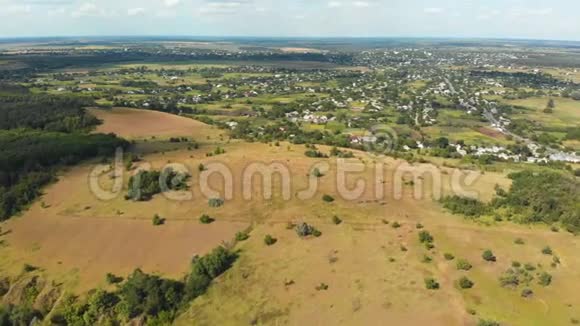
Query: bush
x=215, y=202
x=547, y=250
x=527, y=293
x=322, y=287
x=448, y=256
x=18, y=315
x=484, y=322
x=113, y=279
x=488, y=256
x=146, y=184
x=465, y=283
x=395, y=225
x=336, y=220
x=328, y=198
x=425, y=237
x=465, y=206
x=315, y=154
x=206, y=219
x=157, y=220
x=304, y=230
x=463, y=265
x=316, y=172
x=431, y=284
x=269, y=240
x=205, y=269
x=419, y=226
x=27, y=268
x=529, y=267
x=426, y=259
x=519, y=241
x=242, y=236
x=545, y=279
x=509, y=279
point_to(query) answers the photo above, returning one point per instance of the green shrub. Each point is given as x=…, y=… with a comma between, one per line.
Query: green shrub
x=304, y=230
x=395, y=225
x=206, y=219
x=425, y=237
x=328, y=198
x=27, y=268
x=322, y=287
x=431, y=284
x=483, y=322
x=527, y=293
x=448, y=256
x=316, y=172
x=242, y=236
x=519, y=241
x=488, y=256
x=315, y=154
x=465, y=283
x=113, y=279
x=465, y=206
x=529, y=267
x=146, y=184
x=158, y=220
x=463, y=264
x=269, y=240
x=509, y=279
x=215, y=202
x=547, y=250
x=336, y=220
x=544, y=279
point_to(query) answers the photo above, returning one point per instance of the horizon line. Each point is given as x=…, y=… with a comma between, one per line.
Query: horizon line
x=465, y=38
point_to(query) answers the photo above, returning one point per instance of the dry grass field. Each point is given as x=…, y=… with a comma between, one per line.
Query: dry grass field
x=374, y=272
x=140, y=124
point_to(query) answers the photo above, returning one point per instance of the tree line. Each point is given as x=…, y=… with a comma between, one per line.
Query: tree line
x=30, y=158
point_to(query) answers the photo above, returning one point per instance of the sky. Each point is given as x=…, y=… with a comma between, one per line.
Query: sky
x=536, y=19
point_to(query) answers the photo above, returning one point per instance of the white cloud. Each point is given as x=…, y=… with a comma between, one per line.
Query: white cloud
x=334, y=4
x=433, y=10
x=171, y=3
x=90, y=9
x=17, y=9
x=135, y=11
x=539, y=12
x=221, y=7
x=56, y=11
x=361, y=4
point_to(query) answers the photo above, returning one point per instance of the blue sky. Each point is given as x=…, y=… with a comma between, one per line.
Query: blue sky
x=555, y=19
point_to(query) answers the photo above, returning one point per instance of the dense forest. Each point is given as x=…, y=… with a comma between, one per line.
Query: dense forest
x=51, y=113
x=534, y=197
x=29, y=159
x=38, y=134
